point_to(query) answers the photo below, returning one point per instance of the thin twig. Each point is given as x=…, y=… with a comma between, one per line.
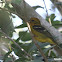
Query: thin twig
x=16, y=44
x=20, y=54
x=45, y=8
x=39, y=49
x=47, y=12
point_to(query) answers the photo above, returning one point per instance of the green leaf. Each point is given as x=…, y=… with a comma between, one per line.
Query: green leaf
x=42, y=45
x=27, y=46
x=18, y=60
x=47, y=18
x=52, y=54
x=6, y=55
x=46, y=50
x=16, y=1
x=22, y=26
x=52, y=16
x=11, y=9
x=9, y=60
x=33, y=48
x=21, y=59
x=57, y=25
x=25, y=36
x=18, y=52
x=22, y=33
x=58, y=3
x=61, y=31
x=35, y=7
x=6, y=22
x=36, y=61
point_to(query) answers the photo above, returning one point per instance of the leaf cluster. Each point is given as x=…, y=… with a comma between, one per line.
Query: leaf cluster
x=26, y=40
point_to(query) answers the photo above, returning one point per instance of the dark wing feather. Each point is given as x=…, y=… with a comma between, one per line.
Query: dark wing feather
x=42, y=30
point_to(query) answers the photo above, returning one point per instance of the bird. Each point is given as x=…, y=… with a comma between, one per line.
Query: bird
x=39, y=32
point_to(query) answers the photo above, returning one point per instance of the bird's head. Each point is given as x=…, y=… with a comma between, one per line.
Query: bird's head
x=34, y=21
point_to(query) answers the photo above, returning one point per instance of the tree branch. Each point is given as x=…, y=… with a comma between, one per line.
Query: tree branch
x=32, y=34
x=47, y=13
x=30, y=12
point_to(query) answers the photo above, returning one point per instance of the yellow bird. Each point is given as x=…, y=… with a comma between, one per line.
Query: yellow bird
x=39, y=33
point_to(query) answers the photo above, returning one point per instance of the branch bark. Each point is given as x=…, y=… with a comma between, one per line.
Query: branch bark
x=29, y=12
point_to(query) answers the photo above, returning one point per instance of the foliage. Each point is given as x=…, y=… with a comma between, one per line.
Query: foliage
x=6, y=22
x=6, y=59
x=30, y=46
x=26, y=41
x=16, y=1
x=55, y=23
x=35, y=7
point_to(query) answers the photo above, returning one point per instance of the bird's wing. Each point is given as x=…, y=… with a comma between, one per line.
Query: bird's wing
x=42, y=30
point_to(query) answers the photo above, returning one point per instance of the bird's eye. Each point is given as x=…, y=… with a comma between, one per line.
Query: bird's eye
x=33, y=20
